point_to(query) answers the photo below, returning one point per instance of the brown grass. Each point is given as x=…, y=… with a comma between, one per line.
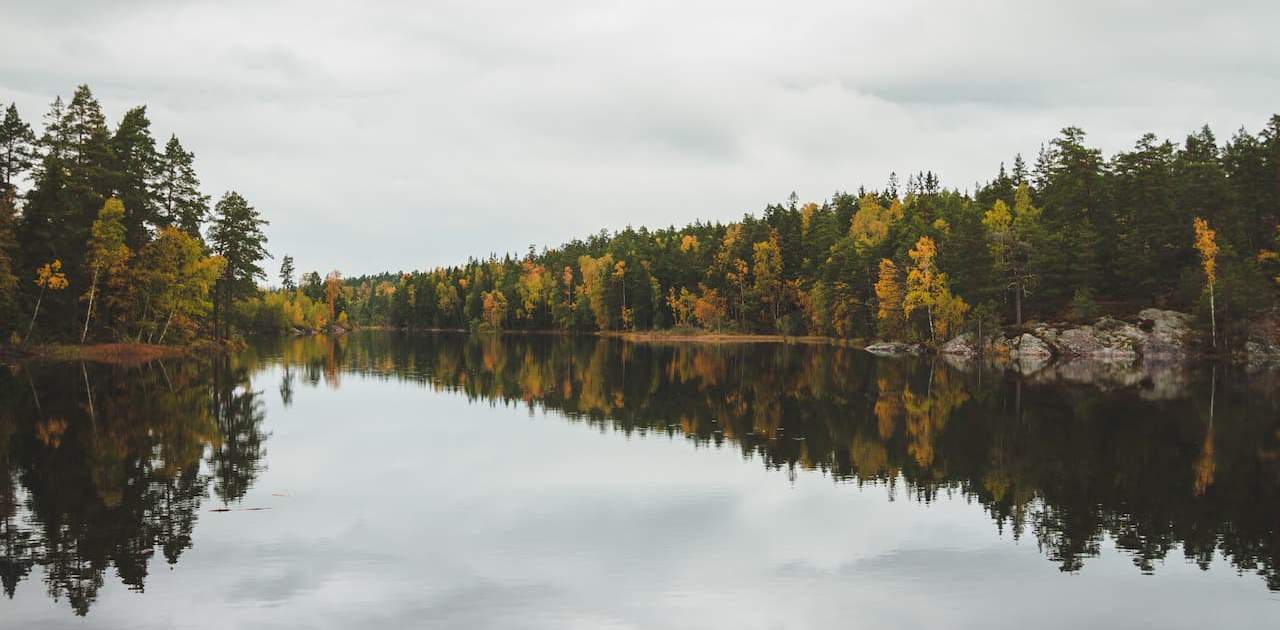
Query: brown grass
x=126, y=353
x=707, y=336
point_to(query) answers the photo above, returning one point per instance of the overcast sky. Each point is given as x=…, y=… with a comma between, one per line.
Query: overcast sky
x=407, y=135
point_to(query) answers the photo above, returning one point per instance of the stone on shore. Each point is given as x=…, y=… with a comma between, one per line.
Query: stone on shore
x=895, y=349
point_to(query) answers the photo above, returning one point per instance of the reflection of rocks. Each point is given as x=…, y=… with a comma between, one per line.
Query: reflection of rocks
x=1110, y=353
x=895, y=349
x=1156, y=380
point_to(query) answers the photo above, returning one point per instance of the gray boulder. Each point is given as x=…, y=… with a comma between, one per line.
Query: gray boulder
x=1166, y=333
x=1032, y=347
x=964, y=345
x=895, y=349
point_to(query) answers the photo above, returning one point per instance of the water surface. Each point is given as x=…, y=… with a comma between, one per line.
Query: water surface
x=559, y=482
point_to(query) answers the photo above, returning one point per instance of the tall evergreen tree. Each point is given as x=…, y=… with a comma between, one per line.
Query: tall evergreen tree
x=9, y=265
x=236, y=235
x=1201, y=189
x=286, y=274
x=178, y=189
x=133, y=172
x=1073, y=197
x=17, y=148
x=1149, y=230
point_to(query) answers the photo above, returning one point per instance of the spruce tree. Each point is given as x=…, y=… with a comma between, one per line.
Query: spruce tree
x=286, y=274
x=17, y=148
x=236, y=235
x=178, y=189
x=133, y=173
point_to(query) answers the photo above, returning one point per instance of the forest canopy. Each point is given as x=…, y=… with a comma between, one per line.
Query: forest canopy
x=1074, y=235
x=112, y=238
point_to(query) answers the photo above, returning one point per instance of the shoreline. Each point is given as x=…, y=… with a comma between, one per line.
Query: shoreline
x=115, y=353
x=648, y=336
x=711, y=337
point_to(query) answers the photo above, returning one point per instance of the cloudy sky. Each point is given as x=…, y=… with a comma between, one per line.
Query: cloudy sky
x=405, y=135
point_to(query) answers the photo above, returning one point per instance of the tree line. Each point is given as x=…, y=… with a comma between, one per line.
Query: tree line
x=1070, y=237
x=104, y=235
x=111, y=238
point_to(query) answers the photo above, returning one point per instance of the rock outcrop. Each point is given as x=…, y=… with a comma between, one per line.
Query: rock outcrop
x=965, y=345
x=1154, y=335
x=1263, y=346
x=895, y=349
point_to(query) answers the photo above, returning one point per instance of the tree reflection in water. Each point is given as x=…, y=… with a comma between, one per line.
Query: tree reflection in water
x=1168, y=458
x=105, y=465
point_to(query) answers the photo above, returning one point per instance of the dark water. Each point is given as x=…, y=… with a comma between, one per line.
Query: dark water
x=384, y=480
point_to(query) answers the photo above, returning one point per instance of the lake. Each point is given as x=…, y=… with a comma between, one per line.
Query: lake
x=392, y=480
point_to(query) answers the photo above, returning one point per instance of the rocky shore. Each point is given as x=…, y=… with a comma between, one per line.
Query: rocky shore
x=1154, y=335
x=1152, y=338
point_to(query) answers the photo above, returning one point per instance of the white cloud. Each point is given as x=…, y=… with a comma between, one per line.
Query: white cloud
x=406, y=135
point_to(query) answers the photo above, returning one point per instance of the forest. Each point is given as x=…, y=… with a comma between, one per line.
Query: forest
x=1189, y=226
x=111, y=238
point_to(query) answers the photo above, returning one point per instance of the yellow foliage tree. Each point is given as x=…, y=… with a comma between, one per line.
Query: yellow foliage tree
x=594, y=287
x=1012, y=233
x=332, y=289
x=1207, y=244
x=533, y=288
x=871, y=222
x=495, y=309
x=767, y=268
x=169, y=281
x=889, y=296
x=107, y=252
x=681, y=306
x=711, y=309
x=928, y=288
x=48, y=277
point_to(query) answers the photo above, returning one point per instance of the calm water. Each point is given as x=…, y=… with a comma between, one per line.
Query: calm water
x=388, y=480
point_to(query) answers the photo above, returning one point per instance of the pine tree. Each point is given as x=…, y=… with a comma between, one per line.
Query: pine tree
x=286, y=274
x=1019, y=170
x=17, y=148
x=236, y=235
x=178, y=189
x=90, y=149
x=134, y=172
x=1149, y=231
x=9, y=264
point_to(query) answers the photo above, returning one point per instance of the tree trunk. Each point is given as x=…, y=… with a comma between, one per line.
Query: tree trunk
x=1017, y=300
x=215, y=312
x=33, y=317
x=146, y=308
x=1213, y=319
x=166, y=326
x=89, y=393
x=93, y=290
